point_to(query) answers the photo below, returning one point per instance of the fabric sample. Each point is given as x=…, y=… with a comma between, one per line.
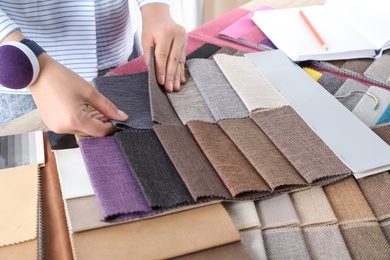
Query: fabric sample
x=255, y=91
x=18, y=218
x=234, y=169
x=313, y=207
x=25, y=250
x=254, y=244
x=376, y=190
x=325, y=242
x=153, y=169
x=204, y=51
x=220, y=97
x=253, y=36
x=29, y=122
x=365, y=241
x=379, y=69
x=346, y=90
x=62, y=141
x=285, y=243
x=277, y=212
x=385, y=225
x=159, y=238
x=348, y=202
x=119, y=194
x=365, y=110
x=193, y=166
x=262, y=153
x=243, y=214
x=130, y=94
x=313, y=73
x=225, y=50
x=73, y=174
x=357, y=66
x=294, y=138
x=331, y=82
x=13, y=106
x=383, y=131
x=385, y=117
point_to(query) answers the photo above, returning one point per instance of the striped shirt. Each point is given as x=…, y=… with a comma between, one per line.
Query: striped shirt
x=84, y=35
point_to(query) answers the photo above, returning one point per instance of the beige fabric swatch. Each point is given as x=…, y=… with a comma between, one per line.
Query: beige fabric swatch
x=18, y=204
x=29, y=122
x=379, y=69
x=159, y=238
x=348, y=202
x=313, y=207
x=277, y=212
x=22, y=251
x=254, y=243
x=243, y=214
x=255, y=91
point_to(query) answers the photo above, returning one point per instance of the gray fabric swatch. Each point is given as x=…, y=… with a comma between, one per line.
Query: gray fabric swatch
x=14, y=105
x=254, y=244
x=379, y=69
x=351, y=99
x=331, y=82
x=243, y=214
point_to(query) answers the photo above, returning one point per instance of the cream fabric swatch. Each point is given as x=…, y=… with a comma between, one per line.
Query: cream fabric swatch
x=243, y=214
x=254, y=243
x=73, y=175
x=18, y=204
x=379, y=69
x=313, y=207
x=276, y=212
x=30, y=122
x=22, y=251
x=255, y=91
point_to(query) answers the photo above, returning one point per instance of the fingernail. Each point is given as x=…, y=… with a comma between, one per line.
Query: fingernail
x=122, y=114
x=177, y=85
x=162, y=79
x=170, y=86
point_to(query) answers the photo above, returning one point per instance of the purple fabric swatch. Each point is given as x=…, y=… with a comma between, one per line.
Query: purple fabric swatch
x=117, y=190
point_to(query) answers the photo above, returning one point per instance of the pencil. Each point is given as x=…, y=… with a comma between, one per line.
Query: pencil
x=313, y=30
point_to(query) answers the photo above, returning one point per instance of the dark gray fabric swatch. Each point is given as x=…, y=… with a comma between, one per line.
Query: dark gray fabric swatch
x=331, y=82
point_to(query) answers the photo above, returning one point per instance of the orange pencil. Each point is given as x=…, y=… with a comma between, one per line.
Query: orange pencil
x=313, y=30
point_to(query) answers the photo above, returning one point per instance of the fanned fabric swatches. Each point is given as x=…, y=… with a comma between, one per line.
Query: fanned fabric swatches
x=219, y=95
x=262, y=154
x=193, y=166
x=383, y=131
x=243, y=214
x=379, y=69
x=119, y=194
x=313, y=207
x=348, y=202
x=285, y=243
x=130, y=94
x=376, y=190
x=153, y=169
x=254, y=244
x=294, y=138
x=326, y=242
x=277, y=212
x=385, y=117
x=366, y=240
x=255, y=91
x=330, y=82
x=356, y=66
x=346, y=90
x=234, y=169
x=204, y=51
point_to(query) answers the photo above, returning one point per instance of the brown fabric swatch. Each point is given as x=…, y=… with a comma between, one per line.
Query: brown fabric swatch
x=262, y=153
x=366, y=241
x=193, y=166
x=312, y=158
x=376, y=190
x=358, y=66
x=348, y=202
x=385, y=225
x=383, y=131
x=234, y=169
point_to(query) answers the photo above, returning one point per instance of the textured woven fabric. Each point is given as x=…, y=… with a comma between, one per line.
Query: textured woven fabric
x=385, y=117
x=300, y=145
x=351, y=99
x=153, y=169
x=325, y=243
x=204, y=51
x=196, y=171
x=385, y=225
x=366, y=241
x=358, y=66
x=285, y=243
x=276, y=212
x=254, y=244
x=219, y=95
x=379, y=69
x=130, y=94
x=313, y=207
x=383, y=131
x=330, y=82
x=376, y=190
x=234, y=169
x=225, y=50
x=255, y=91
x=365, y=111
x=116, y=188
x=262, y=153
x=348, y=202
x=243, y=214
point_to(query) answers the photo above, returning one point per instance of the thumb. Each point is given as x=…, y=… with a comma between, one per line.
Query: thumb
x=107, y=108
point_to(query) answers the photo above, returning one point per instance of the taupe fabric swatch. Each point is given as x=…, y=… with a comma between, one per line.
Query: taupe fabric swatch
x=383, y=131
x=312, y=158
x=348, y=202
x=376, y=190
x=285, y=243
x=385, y=225
x=358, y=66
x=219, y=95
x=313, y=207
x=255, y=91
x=26, y=250
x=254, y=243
x=225, y=50
x=262, y=153
x=366, y=241
x=379, y=69
x=276, y=212
x=334, y=63
x=351, y=99
x=243, y=214
x=325, y=243
x=234, y=169
x=193, y=166
x=331, y=82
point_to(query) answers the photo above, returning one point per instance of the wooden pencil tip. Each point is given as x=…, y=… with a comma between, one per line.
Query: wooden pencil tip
x=324, y=47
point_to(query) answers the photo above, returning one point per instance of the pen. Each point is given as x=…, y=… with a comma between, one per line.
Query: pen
x=313, y=30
